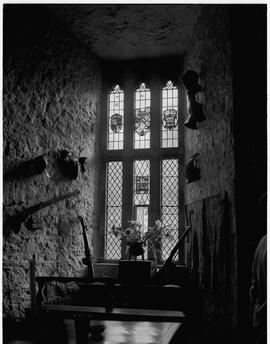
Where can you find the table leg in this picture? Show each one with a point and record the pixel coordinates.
(82, 329)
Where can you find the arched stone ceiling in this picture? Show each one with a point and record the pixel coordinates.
(129, 31)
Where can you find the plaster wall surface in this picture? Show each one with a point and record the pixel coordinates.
(51, 90)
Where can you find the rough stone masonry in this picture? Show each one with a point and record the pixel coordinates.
(51, 87)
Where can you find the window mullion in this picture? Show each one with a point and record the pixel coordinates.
(129, 108)
(127, 212)
(154, 213)
(155, 144)
(155, 116)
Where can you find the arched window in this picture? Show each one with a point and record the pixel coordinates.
(143, 161)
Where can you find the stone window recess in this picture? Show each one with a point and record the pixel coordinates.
(142, 158)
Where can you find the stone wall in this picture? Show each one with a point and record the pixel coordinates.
(210, 56)
(51, 90)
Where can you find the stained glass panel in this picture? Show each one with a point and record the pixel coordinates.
(142, 117)
(169, 116)
(113, 208)
(141, 182)
(115, 127)
(169, 204)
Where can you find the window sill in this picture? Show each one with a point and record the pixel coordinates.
(110, 268)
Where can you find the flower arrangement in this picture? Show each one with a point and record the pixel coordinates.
(133, 234)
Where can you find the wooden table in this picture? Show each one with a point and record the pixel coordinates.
(135, 332)
(132, 325)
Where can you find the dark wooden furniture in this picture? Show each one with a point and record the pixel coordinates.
(83, 314)
(111, 300)
(123, 314)
(132, 296)
(43, 280)
(134, 332)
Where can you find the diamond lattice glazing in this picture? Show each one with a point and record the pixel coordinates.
(170, 204)
(113, 208)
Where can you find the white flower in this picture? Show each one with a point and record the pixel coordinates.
(128, 231)
(158, 224)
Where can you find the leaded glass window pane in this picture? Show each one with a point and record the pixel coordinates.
(141, 182)
(115, 127)
(169, 116)
(169, 204)
(142, 217)
(113, 208)
(142, 117)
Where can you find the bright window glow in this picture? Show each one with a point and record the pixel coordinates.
(169, 116)
(113, 208)
(141, 182)
(115, 127)
(169, 204)
(142, 117)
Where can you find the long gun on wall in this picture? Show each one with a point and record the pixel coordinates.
(87, 260)
(14, 222)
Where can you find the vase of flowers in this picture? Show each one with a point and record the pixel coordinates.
(136, 240)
